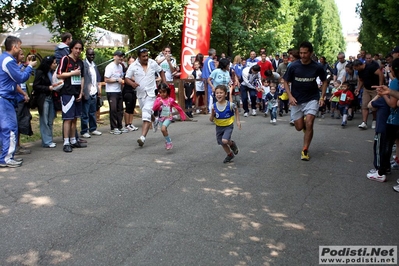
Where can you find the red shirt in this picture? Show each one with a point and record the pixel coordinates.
(265, 66)
(344, 95)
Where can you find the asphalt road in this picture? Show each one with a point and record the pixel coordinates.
(115, 203)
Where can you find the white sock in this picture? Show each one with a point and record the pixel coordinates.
(66, 141)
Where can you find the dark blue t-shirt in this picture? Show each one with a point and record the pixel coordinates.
(303, 80)
(382, 114)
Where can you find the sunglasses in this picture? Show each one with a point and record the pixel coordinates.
(142, 50)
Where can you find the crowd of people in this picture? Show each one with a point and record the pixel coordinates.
(298, 84)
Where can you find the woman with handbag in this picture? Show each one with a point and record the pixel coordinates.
(43, 89)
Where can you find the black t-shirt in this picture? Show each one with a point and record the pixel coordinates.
(303, 80)
(72, 85)
(188, 88)
(368, 77)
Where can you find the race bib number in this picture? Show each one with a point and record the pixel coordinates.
(165, 112)
(343, 97)
(76, 80)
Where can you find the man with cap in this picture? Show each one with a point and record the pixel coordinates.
(113, 78)
(141, 76)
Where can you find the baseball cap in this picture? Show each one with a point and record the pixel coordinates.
(395, 50)
(119, 53)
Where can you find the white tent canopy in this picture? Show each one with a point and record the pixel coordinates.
(38, 37)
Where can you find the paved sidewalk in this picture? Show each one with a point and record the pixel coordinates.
(115, 203)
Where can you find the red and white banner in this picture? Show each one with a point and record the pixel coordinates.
(196, 33)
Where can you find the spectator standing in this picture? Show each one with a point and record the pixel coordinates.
(252, 60)
(43, 89)
(130, 98)
(91, 90)
(339, 68)
(62, 49)
(10, 76)
(189, 90)
(113, 77)
(209, 66)
(370, 75)
(71, 70)
(199, 87)
(276, 62)
(264, 65)
(168, 65)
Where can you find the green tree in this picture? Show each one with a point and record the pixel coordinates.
(379, 31)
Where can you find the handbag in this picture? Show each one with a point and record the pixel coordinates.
(33, 100)
(58, 83)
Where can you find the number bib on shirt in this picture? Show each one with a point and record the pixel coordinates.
(76, 80)
(343, 97)
(165, 112)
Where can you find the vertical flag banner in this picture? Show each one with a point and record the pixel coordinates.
(196, 33)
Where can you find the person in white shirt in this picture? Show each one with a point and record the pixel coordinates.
(168, 64)
(113, 78)
(141, 76)
(91, 88)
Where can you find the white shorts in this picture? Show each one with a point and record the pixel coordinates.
(146, 105)
(309, 108)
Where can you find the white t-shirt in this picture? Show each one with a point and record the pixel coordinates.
(199, 84)
(146, 80)
(113, 71)
(165, 66)
(341, 70)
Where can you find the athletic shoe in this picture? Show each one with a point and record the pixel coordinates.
(253, 112)
(77, 145)
(96, 133)
(18, 160)
(350, 118)
(396, 188)
(245, 114)
(274, 121)
(141, 141)
(305, 155)
(271, 121)
(155, 125)
(67, 148)
(373, 124)
(11, 163)
(81, 140)
(362, 125)
(234, 148)
(394, 166)
(86, 135)
(132, 128)
(265, 114)
(168, 145)
(229, 158)
(115, 131)
(22, 151)
(51, 145)
(292, 122)
(124, 130)
(373, 175)
(198, 111)
(343, 124)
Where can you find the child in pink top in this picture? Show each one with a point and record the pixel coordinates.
(164, 105)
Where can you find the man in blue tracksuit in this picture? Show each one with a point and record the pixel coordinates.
(209, 66)
(10, 76)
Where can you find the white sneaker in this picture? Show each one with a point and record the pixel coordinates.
(115, 131)
(253, 112)
(245, 114)
(198, 111)
(96, 133)
(373, 124)
(86, 135)
(141, 141)
(124, 130)
(362, 125)
(274, 121)
(155, 125)
(132, 128)
(271, 121)
(373, 175)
